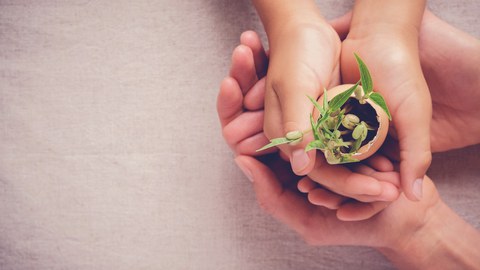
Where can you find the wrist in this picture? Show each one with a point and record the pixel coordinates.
(277, 15)
(442, 241)
(394, 17)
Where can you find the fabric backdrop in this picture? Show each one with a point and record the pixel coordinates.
(111, 156)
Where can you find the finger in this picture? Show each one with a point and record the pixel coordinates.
(325, 198)
(380, 163)
(273, 128)
(342, 181)
(255, 98)
(284, 205)
(356, 211)
(229, 101)
(306, 184)
(296, 109)
(392, 177)
(243, 67)
(245, 125)
(250, 145)
(414, 142)
(342, 25)
(389, 181)
(252, 40)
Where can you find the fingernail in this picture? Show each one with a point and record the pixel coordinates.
(299, 160)
(418, 188)
(244, 169)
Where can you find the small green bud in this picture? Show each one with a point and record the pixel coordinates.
(358, 93)
(350, 121)
(294, 135)
(359, 132)
(365, 131)
(337, 133)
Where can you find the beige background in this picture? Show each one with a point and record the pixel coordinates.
(111, 156)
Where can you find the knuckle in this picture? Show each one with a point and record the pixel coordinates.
(422, 159)
(229, 135)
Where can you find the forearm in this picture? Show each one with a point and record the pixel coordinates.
(276, 14)
(445, 242)
(400, 16)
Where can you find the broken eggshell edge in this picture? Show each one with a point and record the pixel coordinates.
(373, 145)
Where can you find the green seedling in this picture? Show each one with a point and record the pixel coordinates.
(341, 128)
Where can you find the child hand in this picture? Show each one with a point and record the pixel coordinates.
(390, 50)
(304, 59)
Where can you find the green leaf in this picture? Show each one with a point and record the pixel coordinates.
(356, 145)
(323, 119)
(378, 99)
(326, 130)
(340, 117)
(317, 144)
(317, 105)
(340, 99)
(275, 142)
(365, 77)
(325, 99)
(314, 128)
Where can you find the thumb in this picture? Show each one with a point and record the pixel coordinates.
(283, 204)
(296, 109)
(414, 143)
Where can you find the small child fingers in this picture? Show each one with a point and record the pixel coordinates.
(392, 177)
(356, 211)
(380, 163)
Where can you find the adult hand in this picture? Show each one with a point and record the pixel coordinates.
(407, 233)
(413, 235)
(449, 59)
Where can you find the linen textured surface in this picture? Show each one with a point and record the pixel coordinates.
(111, 155)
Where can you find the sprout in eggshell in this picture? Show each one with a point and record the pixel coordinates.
(349, 124)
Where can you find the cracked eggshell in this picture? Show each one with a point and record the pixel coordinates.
(373, 145)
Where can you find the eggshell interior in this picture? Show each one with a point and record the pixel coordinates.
(373, 145)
